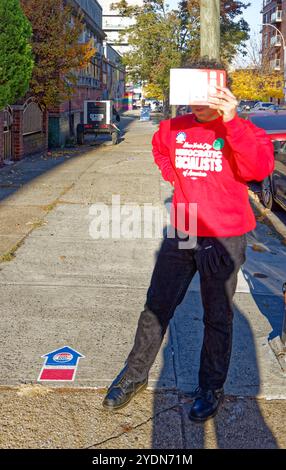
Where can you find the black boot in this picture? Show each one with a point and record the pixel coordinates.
(121, 391)
(206, 404)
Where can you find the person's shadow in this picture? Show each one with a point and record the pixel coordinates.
(239, 423)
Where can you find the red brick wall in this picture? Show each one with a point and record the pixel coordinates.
(81, 94)
(17, 129)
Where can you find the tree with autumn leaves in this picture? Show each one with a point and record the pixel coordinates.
(258, 81)
(57, 52)
(256, 84)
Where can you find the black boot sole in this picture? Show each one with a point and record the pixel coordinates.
(122, 405)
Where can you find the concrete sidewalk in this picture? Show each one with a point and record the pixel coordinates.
(63, 287)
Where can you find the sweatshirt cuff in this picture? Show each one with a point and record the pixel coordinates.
(234, 127)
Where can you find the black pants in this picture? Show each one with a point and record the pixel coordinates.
(171, 277)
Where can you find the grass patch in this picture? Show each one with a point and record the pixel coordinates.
(37, 224)
(50, 207)
(10, 255)
(7, 257)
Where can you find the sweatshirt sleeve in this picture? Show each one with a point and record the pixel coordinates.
(161, 153)
(252, 149)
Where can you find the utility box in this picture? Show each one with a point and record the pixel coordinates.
(98, 113)
(98, 119)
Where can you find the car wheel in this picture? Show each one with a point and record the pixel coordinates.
(267, 195)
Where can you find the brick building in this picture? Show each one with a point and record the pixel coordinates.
(25, 128)
(274, 21)
(64, 119)
(102, 79)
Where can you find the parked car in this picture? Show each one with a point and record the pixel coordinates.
(153, 104)
(276, 107)
(273, 188)
(137, 104)
(181, 110)
(246, 105)
(263, 106)
(159, 108)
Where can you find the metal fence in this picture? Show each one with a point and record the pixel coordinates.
(8, 144)
(32, 118)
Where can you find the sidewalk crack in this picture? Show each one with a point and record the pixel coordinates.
(174, 407)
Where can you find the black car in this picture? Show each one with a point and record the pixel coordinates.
(273, 188)
(245, 105)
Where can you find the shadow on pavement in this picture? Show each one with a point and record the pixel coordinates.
(265, 275)
(18, 175)
(239, 423)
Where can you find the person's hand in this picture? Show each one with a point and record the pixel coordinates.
(224, 102)
(209, 254)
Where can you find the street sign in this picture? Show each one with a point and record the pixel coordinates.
(60, 364)
(145, 113)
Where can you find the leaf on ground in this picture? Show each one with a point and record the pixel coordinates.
(260, 218)
(62, 258)
(126, 428)
(101, 391)
(177, 409)
(258, 248)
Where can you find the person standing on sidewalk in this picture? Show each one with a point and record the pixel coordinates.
(208, 156)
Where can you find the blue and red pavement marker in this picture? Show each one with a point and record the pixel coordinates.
(60, 365)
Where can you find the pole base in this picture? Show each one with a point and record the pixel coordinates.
(279, 350)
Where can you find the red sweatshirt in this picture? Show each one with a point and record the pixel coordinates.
(209, 164)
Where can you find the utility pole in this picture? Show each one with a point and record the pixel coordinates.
(210, 28)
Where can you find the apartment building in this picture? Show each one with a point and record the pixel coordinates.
(113, 25)
(63, 120)
(273, 25)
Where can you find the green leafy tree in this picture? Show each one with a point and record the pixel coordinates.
(233, 28)
(16, 59)
(161, 38)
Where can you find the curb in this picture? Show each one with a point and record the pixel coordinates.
(267, 216)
